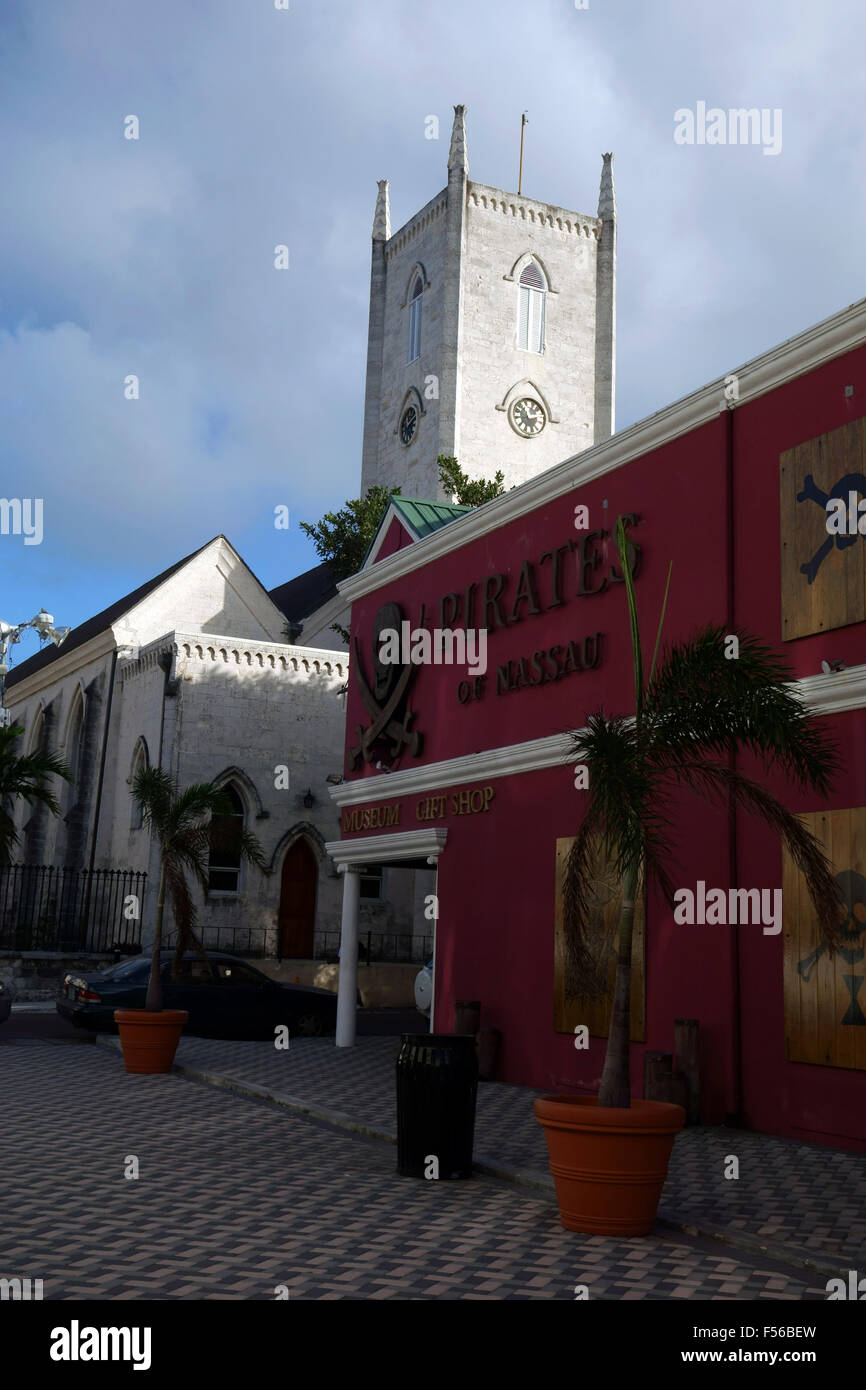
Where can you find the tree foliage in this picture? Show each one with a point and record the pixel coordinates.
(468, 492)
(24, 776)
(343, 538)
(181, 821)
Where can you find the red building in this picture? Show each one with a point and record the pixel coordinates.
(730, 484)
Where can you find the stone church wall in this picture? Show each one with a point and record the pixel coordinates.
(502, 228)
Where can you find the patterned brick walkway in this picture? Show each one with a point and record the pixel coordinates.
(805, 1199)
(237, 1196)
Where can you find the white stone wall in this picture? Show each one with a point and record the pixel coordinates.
(498, 229)
(501, 228)
(420, 243)
(24, 702)
(214, 592)
(238, 711)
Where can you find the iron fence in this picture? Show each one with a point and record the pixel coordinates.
(43, 908)
(375, 946)
(249, 942)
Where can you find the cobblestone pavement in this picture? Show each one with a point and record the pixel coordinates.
(237, 1196)
(803, 1196)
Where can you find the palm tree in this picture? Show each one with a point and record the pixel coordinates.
(692, 716)
(181, 822)
(25, 777)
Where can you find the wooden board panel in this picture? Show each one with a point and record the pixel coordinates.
(825, 997)
(569, 1008)
(832, 593)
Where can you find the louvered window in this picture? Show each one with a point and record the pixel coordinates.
(530, 315)
(415, 321)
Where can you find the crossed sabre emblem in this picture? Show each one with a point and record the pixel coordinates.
(384, 698)
(852, 482)
(852, 898)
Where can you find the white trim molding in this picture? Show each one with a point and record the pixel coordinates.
(532, 756)
(831, 338)
(834, 693)
(823, 695)
(405, 844)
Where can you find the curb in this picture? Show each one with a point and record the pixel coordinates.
(794, 1256)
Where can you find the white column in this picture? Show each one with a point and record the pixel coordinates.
(433, 860)
(347, 990)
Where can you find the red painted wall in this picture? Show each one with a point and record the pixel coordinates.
(396, 538)
(496, 876)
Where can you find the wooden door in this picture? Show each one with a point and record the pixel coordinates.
(824, 995)
(297, 918)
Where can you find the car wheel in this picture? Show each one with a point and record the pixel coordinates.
(309, 1026)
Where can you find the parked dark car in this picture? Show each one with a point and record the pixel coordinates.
(6, 997)
(224, 997)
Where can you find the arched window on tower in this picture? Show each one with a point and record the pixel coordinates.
(415, 321)
(531, 293)
(225, 845)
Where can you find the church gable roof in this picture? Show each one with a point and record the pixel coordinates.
(222, 595)
(301, 596)
(100, 622)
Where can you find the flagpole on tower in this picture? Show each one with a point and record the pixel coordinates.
(523, 122)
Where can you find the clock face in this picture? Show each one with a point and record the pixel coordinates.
(527, 417)
(409, 424)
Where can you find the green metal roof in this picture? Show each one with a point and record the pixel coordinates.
(426, 517)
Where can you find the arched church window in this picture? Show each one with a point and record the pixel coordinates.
(73, 754)
(531, 292)
(415, 321)
(139, 764)
(226, 831)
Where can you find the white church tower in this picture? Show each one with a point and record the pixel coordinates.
(492, 333)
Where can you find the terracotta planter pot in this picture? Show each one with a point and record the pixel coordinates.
(609, 1165)
(149, 1040)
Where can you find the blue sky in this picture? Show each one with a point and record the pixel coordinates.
(261, 126)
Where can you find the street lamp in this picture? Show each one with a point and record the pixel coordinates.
(10, 634)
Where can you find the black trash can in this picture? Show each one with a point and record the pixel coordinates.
(437, 1081)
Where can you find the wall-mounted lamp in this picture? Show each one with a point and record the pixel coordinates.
(309, 799)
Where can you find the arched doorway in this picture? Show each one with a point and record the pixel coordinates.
(298, 885)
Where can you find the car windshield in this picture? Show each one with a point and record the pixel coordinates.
(125, 968)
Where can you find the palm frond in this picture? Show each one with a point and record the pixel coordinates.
(717, 780)
(699, 700)
(661, 621)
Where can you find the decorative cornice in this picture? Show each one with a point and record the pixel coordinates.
(403, 844)
(831, 338)
(823, 695)
(482, 195)
(417, 224)
(207, 648)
